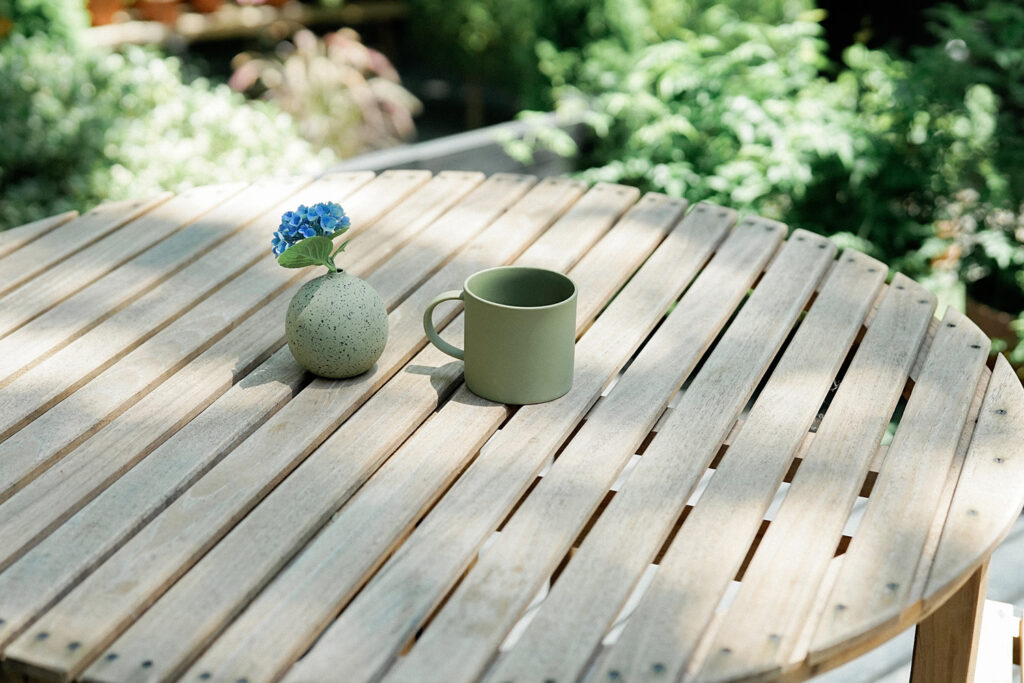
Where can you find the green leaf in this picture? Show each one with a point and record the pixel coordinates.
(312, 251)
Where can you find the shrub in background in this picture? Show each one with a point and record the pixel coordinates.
(82, 127)
(704, 102)
(63, 20)
(341, 94)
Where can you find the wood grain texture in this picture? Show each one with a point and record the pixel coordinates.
(50, 569)
(759, 633)
(197, 465)
(37, 390)
(416, 211)
(185, 619)
(599, 578)
(410, 480)
(874, 584)
(138, 346)
(402, 594)
(946, 643)
(60, 491)
(92, 304)
(990, 491)
(17, 237)
(51, 248)
(105, 602)
(467, 631)
(167, 216)
(707, 552)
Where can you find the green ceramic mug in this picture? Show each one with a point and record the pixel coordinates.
(520, 333)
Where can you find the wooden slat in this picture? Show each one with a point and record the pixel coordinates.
(874, 584)
(53, 566)
(159, 222)
(467, 631)
(205, 311)
(990, 491)
(946, 642)
(90, 305)
(253, 552)
(708, 550)
(60, 491)
(56, 563)
(417, 471)
(62, 373)
(403, 593)
(414, 213)
(761, 628)
(945, 499)
(47, 252)
(103, 604)
(437, 241)
(281, 524)
(597, 581)
(15, 238)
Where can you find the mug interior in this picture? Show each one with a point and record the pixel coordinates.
(521, 287)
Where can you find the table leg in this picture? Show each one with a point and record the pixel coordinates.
(946, 643)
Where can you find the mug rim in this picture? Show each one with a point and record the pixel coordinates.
(571, 297)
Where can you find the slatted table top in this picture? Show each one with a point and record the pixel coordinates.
(179, 500)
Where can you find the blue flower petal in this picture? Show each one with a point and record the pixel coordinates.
(324, 218)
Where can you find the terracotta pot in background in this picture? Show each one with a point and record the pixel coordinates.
(103, 11)
(164, 11)
(206, 6)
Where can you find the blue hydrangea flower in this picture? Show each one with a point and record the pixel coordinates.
(327, 219)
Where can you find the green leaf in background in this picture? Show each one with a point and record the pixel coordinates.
(312, 251)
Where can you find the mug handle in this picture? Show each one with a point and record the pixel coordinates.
(428, 324)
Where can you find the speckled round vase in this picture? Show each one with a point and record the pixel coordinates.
(337, 326)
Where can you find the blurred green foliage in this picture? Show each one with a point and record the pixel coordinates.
(82, 127)
(915, 160)
(499, 41)
(63, 20)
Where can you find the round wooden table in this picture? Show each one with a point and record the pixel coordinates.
(793, 465)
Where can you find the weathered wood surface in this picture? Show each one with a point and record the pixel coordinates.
(179, 500)
(15, 238)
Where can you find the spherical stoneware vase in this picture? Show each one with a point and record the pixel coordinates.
(337, 326)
